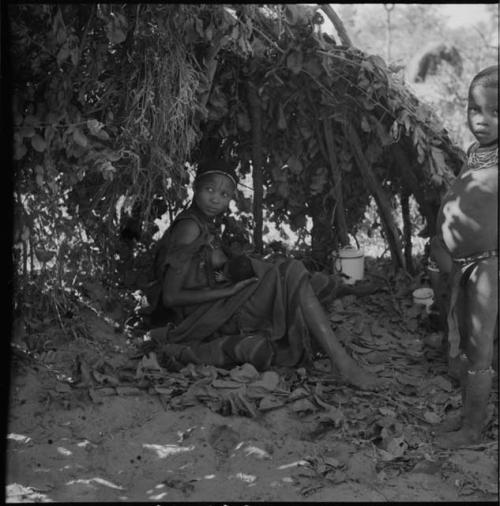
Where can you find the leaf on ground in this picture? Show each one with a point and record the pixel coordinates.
(406, 379)
(269, 402)
(332, 415)
(244, 373)
(332, 462)
(303, 406)
(396, 446)
(85, 378)
(128, 391)
(432, 417)
(387, 412)
(359, 349)
(163, 391)
(218, 383)
(337, 318)
(375, 368)
(268, 381)
(443, 383)
(107, 391)
(105, 378)
(95, 397)
(377, 330)
(298, 393)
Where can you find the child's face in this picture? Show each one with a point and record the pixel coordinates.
(482, 113)
(213, 194)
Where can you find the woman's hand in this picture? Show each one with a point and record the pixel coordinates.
(233, 289)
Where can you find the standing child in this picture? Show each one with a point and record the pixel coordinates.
(467, 245)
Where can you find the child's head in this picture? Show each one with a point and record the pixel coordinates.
(214, 187)
(482, 110)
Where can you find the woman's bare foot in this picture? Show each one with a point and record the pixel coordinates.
(458, 439)
(359, 378)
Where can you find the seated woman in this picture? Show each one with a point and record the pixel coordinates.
(266, 319)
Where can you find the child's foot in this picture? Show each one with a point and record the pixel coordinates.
(458, 439)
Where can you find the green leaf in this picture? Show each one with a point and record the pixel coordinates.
(19, 150)
(94, 126)
(116, 29)
(243, 121)
(38, 143)
(62, 54)
(378, 61)
(103, 135)
(281, 118)
(27, 131)
(282, 189)
(438, 159)
(295, 165)
(313, 67)
(294, 61)
(365, 126)
(80, 138)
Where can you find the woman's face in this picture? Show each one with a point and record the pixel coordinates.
(213, 193)
(482, 113)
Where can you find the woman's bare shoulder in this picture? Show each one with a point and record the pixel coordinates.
(185, 231)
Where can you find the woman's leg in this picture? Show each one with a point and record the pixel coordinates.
(319, 326)
(482, 304)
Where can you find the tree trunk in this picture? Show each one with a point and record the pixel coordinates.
(257, 159)
(405, 211)
(337, 181)
(411, 182)
(384, 207)
(323, 240)
(337, 23)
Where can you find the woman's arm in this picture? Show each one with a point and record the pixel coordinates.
(174, 294)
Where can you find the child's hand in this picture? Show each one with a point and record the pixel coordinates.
(220, 277)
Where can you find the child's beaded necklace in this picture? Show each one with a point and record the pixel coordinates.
(482, 159)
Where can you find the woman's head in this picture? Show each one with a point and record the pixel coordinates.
(482, 110)
(214, 187)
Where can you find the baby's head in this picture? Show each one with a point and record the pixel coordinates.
(239, 268)
(482, 110)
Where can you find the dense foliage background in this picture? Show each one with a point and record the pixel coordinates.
(113, 104)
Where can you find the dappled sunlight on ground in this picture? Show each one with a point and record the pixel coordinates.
(337, 444)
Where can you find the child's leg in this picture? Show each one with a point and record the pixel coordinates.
(319, 326)
(482, 304)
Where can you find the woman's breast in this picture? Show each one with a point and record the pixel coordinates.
(218, 258)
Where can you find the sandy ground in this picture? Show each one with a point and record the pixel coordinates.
(65, 444)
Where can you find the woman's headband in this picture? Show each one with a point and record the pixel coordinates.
(218, 166)
(215, 171)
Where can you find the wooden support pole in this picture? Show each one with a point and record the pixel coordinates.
(337, 181)
(257, 162)
(373, 185)
(407, 229)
